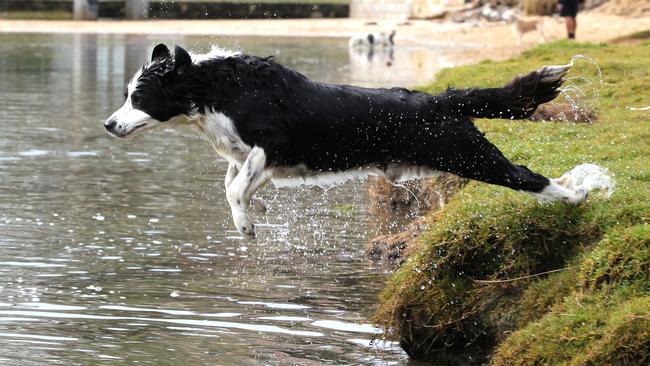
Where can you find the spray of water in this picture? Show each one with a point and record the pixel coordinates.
(639, 109)
(580, 94)
(395, 184)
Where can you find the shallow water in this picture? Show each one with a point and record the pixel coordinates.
(116, 252)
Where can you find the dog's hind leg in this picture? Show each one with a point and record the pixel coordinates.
(471, 155)
(518, 33)
(239, 192)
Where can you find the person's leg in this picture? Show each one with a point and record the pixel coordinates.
(571, 25)
(569, 11)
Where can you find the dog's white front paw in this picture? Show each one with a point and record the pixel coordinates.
(244, 224)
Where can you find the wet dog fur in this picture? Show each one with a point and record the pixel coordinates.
(272, 123)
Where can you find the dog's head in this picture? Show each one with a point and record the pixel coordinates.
(510, 16)
(157, 94)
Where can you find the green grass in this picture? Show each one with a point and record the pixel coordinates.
(464, 296)
(633, 38)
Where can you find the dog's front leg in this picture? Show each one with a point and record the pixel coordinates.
(231, 173)
(540, 28)
(239, 192)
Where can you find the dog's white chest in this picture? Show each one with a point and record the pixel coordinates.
(223, 135)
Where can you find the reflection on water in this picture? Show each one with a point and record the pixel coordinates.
(124, 251)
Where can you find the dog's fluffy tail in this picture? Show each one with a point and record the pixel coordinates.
(517, 100)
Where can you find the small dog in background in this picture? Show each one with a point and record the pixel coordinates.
(520, 25)
(372, 40)
(372, 47)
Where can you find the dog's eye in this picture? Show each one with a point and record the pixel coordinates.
(125, 95)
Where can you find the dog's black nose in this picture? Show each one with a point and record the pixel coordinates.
(110, 123)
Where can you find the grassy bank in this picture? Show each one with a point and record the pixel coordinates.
(499, 277)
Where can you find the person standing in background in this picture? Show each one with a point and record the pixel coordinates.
(569, 10)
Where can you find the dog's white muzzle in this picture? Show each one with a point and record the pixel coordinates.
(126, 121)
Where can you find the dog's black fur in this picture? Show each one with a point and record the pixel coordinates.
(271, 122)
(331, 128)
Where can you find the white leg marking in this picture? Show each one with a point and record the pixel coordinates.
(231, 173)
(575, 185)
(240, 191)
(518, 33)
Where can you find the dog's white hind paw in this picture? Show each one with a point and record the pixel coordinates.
(577, 184)
(590, 177)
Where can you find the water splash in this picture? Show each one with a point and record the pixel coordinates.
(591, 60)
(638, 109)
(415, 197)
(581, 94)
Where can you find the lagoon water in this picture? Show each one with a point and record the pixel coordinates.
(122, 252)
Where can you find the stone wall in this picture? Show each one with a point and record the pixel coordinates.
(380, 9)
(627, 7)
(402, 9)
(192, 10)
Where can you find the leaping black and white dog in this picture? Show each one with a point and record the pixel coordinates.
(272, 123)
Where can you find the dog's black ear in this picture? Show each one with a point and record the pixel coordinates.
(181, 57)
(160, 52)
